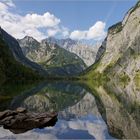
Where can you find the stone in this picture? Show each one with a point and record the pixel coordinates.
(20, 120)
(6, 113)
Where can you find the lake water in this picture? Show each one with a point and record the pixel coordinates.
(100, 112)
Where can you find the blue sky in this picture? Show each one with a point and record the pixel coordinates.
(79, 19)
(79, 14)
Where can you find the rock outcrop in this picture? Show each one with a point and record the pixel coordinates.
(19, 120)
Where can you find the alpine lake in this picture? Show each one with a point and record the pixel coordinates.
(84, 111)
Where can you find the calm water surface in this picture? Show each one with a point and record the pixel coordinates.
(83, 112)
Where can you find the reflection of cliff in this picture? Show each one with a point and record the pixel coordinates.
(122, 106)
(50, 101)
(50, 97)
(38, 103)
(86, 105)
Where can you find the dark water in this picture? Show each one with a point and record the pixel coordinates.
(84, 112)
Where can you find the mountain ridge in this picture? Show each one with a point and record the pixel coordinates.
(53, 58)
(85, 51)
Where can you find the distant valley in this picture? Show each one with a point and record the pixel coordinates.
(63, 57)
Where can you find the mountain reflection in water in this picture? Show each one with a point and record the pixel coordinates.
(84, 112)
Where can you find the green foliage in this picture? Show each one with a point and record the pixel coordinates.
(11, 90)
(115, 28)
(12, 70)
(62, 58)
(124, 78)
(108, 68)
(135, 7)
(137, 79)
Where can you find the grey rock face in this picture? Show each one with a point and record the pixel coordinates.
(101, 51)
(64, 43)
(32, 44)
(85, 52)
(122, 47)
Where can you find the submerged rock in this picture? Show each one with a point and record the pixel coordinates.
(20, 120)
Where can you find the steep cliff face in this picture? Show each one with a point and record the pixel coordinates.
(86, 52)
(54, 59)
(119, 54)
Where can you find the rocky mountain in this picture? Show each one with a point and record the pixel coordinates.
(64, 43)
(13, 65)
(119, 54)
(86, 52)
(53, 58)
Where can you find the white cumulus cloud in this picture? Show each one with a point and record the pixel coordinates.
(52, 32)
(43, 25)
(96, 32)
(30, 24)
(78, 34)
(45, 20)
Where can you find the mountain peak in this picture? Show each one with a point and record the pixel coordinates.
(29, 38)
